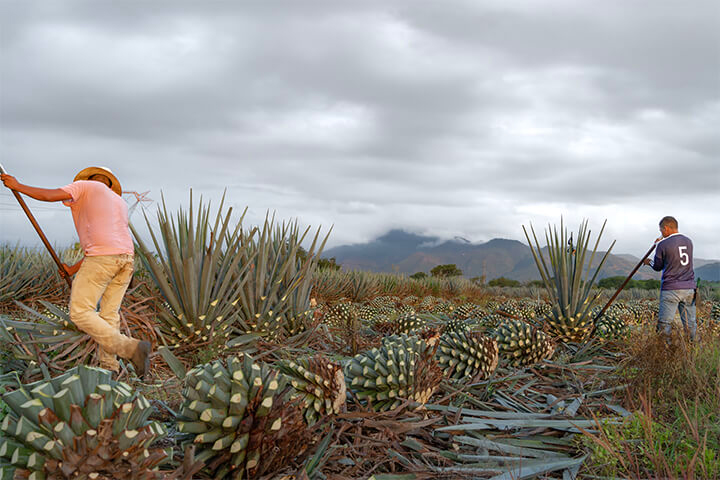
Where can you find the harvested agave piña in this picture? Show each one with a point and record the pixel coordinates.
(339, 315)
(522, 344)
(464, 311)
(80, 425)
(467, 355)
(242, 418)
(409, 322)
(402, 368)
(404, 323)
(610, 325)
(456, 325)
(420, 339)
(319, 382)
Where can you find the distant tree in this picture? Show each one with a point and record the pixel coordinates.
(418, 275)
(649, 284)
(613, 282)
(328, 264)
(448, 270)
(301, 254)
(477, 280)
(535, 283)
(503, 282)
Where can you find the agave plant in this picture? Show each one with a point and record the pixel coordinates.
(567, 278)
(330, 285)
(319, 382)
(242, 417)
(467, 355)
(401, 323)
(49, 339)
(363, 285)
(81, 425)
(277, 290)
(522, 344)
(25, 273)
(196, 279)
(403, 368)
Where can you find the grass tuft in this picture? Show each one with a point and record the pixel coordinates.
(674, 392)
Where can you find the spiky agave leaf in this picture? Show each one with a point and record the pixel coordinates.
(194, 275)
(330, 285)
(562, 275)
(403, 368)
(521, 343)
(25, 273)
(319, 382)
(278, 287)
(48, 338)
(362, 286)
(467, 355)
(242, 419)
(81, 425)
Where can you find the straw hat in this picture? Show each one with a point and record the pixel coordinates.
(86, 173)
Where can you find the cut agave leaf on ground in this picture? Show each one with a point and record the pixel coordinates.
(619, 410)
(534, 468)
(501, 447)
(395, 476)
(173, 362)
(489, 424)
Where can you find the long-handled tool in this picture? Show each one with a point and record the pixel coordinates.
(44, 239)
(612, 299)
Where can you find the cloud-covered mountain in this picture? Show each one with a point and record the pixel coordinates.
(403, 252)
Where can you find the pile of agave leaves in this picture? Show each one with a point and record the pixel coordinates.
(227, 307)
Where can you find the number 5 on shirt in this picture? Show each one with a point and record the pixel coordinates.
(684, 258)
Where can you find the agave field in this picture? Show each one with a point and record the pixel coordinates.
(271, 367)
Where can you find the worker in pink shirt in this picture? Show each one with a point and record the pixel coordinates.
(101, 220)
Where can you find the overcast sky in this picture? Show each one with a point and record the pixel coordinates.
(442, 118)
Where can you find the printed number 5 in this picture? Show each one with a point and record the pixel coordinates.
(684, 258)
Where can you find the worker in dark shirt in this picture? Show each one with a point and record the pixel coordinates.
(674, 257)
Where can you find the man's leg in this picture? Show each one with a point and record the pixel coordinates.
(687, 309)
(92, 279)
(110, 305)
(666, 314)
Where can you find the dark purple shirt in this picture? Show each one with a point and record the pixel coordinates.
(674, 256)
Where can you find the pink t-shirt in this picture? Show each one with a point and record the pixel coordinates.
(101, 218)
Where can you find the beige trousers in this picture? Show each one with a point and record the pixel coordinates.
(103, 278)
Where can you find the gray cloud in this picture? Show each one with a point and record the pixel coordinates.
(455, 118)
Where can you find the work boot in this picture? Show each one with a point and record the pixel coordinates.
(141, 358)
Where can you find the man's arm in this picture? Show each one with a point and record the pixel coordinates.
(658, 261)
(43, 194)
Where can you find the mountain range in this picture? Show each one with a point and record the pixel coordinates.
(404, 252)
